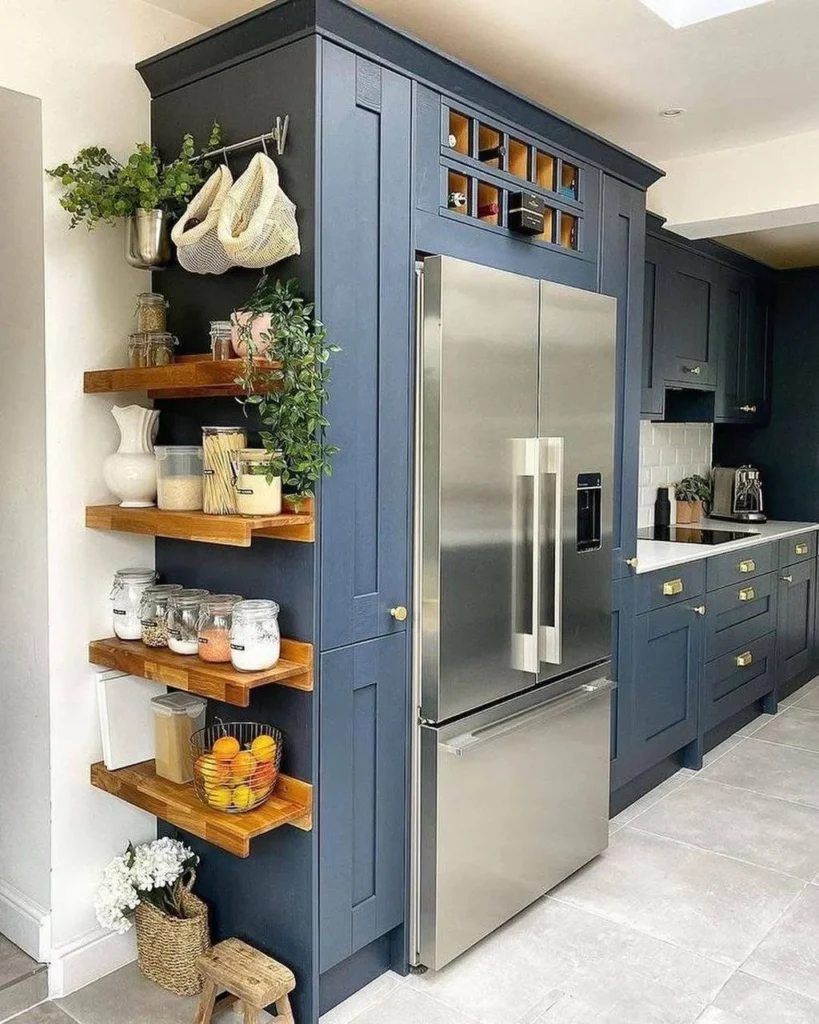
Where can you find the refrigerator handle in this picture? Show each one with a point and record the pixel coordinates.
(527, 516)
(549, 552)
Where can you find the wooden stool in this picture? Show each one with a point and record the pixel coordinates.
(254, 979)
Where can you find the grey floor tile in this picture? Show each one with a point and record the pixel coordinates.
(754, 1001)
(21, 994)
(789, 955)
(721, 749)
(712, 905)
(362, 1000)
(803, 691)
(761, 830)
(753, 726)
(45, 1013)
(795, 727)
(406, 1005)
(652, 797)
(809, 700)
(713, 1015)
(14, 963)
(771, 769)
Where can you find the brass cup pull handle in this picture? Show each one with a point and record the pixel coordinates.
(786, 579)
(747, 565)
(696, 370)
(747, 408)
(399, 613)
(747, 594)
(744, 660)
(800, 549)
(699, 609)
(672, 587)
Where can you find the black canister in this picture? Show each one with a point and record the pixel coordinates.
(662, 508)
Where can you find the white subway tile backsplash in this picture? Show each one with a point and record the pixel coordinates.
(669, 452)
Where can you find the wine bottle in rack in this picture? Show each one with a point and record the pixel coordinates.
(493, 153)
(456, 201)
(452, 140)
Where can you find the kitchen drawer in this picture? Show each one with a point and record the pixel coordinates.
(738, 566)
(670, 586)
(740, 613)
(797, 549)
(737, 679)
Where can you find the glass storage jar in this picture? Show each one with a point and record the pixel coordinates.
(221, 445)
(126, 595)
(254, 636)
(215, 618)
(151, 349)
(151, 313)
(178, 477)
(153, 613)
(220, 339)
(183, 620)
(255, 494)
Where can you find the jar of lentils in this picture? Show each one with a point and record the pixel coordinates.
(151, 313)
(153, 613)
(215, 619)
(254, 636)
(183, 620)
(126, 596)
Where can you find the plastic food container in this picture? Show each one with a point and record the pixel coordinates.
(183, 620)
(153, 613)
(215, 620)
(146, 349)
(254, 636)
(126, 597)
(236, 765)
(255, 495)
(179, 477)
(151, 313)
(177, 716)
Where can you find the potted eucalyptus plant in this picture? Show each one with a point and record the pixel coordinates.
(147, 193)
(692, 493)
(285, 378)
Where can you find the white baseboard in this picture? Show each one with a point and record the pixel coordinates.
(25, 923)
(89, 958)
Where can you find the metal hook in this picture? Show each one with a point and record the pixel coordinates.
(225, 157)
(264, 146)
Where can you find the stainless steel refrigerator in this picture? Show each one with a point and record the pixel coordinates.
(513, 523)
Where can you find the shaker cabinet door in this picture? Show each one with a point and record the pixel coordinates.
(688, 325)
(365, 292)
(795, 628)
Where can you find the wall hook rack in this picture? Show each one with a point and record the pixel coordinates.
(277, 135)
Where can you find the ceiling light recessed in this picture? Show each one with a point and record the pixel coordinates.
(681, 13)
(671, 112)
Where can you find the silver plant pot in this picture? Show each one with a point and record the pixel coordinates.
(148, 240)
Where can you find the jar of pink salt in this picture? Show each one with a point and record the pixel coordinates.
(215, 619)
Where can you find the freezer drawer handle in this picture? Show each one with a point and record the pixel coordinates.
(461, 745)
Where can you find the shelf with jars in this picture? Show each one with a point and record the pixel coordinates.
(197, 376)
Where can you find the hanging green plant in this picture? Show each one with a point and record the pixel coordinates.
(97, 187)
(290, 399)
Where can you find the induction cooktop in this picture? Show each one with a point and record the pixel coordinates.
(692, 534)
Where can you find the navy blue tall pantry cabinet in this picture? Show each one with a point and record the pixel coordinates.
(370, 165)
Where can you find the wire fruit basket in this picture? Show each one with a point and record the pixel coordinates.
(236, 765)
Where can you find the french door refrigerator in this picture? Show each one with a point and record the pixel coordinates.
(513, 523)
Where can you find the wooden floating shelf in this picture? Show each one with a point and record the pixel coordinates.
(196, 376)
(290, 804)
(188, 672)
(237, 531)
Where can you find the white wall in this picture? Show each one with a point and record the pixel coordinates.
(78, 59)
(669, 452)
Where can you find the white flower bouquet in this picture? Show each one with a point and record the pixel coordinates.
(157, 873)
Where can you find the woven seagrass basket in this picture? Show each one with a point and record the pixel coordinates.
(168, 947)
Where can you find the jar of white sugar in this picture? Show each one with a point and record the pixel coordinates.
(254, 635)
(126, 595)
(183, 620)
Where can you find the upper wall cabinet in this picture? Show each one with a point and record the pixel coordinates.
(365, 218)
(743, 384)
(688, 335)
(651, 376)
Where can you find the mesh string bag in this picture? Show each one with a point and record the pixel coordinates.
(257, 224)
(196, 234)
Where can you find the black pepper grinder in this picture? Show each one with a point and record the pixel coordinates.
(662, 508)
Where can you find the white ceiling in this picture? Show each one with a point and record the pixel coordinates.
(783, 248)
(612, 65)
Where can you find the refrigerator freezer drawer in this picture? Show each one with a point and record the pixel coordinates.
(513, 800)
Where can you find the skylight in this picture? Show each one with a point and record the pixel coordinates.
(681, 13)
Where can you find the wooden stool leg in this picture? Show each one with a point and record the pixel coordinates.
(206, 1003)
(283, 1011)
(251, 1014)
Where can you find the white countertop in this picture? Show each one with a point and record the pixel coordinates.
(658, 554)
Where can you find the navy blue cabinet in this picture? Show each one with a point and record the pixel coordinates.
(688, 325)
(795, 621)
(364, 295)
(651, 378)
(362, 795)
(622, 258)
(744, 376)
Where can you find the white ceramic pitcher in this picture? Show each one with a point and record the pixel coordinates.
(130, 473)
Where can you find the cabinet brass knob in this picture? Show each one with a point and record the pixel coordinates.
(399, 613)
(632, 563)
(800, 549)
(786, 579)
(672, 587)
(747, 594)
(744, 660)
(700, 609)
(696, 370)
(747, 408)
(748, 565)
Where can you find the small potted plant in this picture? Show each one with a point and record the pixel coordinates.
(144, 191)
(278, 324)
(152, 883)
(692, 493)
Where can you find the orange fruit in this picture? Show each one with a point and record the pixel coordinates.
(226, 748)
(211, 771)
(264, 747)
(243, 797)
(262, 778)
(242, 766)
(219, 797)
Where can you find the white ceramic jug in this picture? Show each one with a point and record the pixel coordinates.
(130, 472)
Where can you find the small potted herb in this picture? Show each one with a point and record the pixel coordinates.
(147, 193)
(692, 493)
